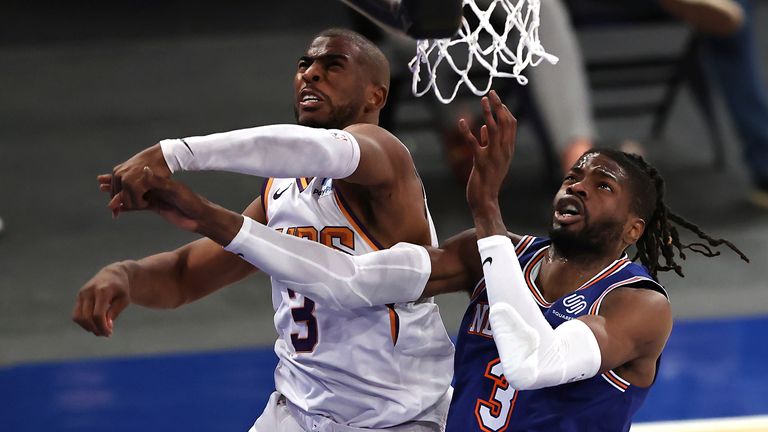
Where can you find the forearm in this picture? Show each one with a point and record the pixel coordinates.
(487, 218)
(282, 151)
(395, 275)
(153, 282)
(532, 353)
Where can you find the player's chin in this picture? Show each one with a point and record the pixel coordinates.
(311, 117)
(566, 230)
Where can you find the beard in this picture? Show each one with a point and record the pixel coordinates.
(339, 117)
(592, 240)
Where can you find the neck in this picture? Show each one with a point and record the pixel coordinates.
(562, 273)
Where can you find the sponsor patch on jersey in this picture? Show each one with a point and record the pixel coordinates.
(575, 303)
(325, 188)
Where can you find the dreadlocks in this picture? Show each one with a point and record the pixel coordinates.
(660, 238)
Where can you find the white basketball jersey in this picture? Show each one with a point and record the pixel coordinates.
(371, 367)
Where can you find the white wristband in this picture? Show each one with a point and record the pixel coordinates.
(282, 151)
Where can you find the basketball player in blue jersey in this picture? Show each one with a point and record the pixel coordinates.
(336, 179)
(562, 333)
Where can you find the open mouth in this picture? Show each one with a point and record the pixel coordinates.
(309, 99)
(569, 211)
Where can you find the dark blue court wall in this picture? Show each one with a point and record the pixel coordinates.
(710, 368)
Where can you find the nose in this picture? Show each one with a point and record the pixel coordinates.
(312, 73)
(577, 189)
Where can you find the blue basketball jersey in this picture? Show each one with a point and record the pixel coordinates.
(482, 399)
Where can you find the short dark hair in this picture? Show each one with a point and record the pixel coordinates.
(372, 55)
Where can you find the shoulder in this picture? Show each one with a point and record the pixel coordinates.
(374, 137)
(640, 307)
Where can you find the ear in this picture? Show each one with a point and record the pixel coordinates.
(633, 230)
(376, 97)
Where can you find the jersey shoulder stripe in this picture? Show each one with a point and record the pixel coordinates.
(353, 220)
(265, 194)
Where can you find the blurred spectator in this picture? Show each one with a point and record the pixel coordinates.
(729, 50)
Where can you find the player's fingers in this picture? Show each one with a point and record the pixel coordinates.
(468, 136)
(118, 305)
(76, 316)
(498, 106)
(488, 115)
(484, 135)
(99, 314)
(86, 314)
(104, 178)
(129, 196)
(115, 204)
(117, 184)
(105, 187)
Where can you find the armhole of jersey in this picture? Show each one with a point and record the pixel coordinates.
(479, 287)
(303, 182)
(394, 323)
(265, 195)
(358, 226)
(633, 282)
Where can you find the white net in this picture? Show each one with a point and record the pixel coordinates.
(496, 56)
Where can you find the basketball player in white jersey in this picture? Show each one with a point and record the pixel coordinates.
(339, 180)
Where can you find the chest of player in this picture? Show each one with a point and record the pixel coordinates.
(314, 209)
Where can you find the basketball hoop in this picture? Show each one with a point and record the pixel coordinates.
(432, 22)
(497, 57)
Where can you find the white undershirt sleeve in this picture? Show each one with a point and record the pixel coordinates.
(533, 354)
(282, 151)
(333, 278)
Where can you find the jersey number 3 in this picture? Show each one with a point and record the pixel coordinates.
(493, 414)
(304, 314)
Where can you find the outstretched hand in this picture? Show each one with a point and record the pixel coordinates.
(491, 158)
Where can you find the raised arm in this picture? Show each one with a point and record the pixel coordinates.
(533, 354)
(363, 153)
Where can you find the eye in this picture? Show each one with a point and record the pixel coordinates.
(605, 186)
(569, 178)
(303, 64)
(335, 66)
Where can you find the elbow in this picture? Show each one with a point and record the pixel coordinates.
(521, 378)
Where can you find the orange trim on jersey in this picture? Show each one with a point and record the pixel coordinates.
(524, 243)
(617, 381)
(478, 289)
(359, 228)
(595, 308)
(606, 273)
(394, 323)
(484, 312)
(492, 404)
(303, 182)
(531, 286)
(265, 195)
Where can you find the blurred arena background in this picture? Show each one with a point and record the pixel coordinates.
(84, 85)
